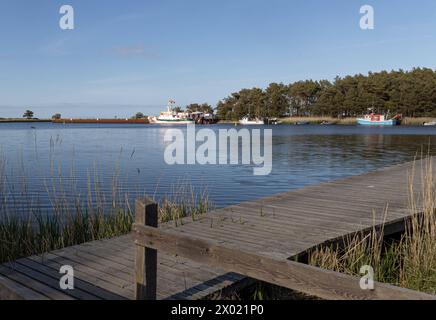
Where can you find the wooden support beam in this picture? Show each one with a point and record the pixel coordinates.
(289, 274)
(146, 214)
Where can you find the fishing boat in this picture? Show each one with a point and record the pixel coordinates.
(373, 119)
(249, 121)
(171, 116)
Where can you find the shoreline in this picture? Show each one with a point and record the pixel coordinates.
(407, 122)
(104, 121)
(133, 121)
(17, 120)
(419, 121)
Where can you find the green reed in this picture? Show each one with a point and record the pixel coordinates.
(76, 216)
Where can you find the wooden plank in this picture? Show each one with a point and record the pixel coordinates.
(100, 272)
(79, 284)
(96, 278)
(185, 278)
(170, 261)
(304, 278)
(50, 281)
(164, 272)
(277, 240)
(30, 282)
(112, 271)
(11, 290)
(146, 258)
(283, 230)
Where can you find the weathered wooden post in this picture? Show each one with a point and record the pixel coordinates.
(146, 258)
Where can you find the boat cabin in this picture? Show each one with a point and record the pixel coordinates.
(374, 117)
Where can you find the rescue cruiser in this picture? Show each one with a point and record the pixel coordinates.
(171, 116)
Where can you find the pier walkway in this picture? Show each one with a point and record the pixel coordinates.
(276, 227)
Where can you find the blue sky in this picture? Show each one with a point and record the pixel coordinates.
(133, 55)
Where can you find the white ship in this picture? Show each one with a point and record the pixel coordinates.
(171, 116)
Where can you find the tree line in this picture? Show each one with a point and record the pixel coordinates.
(195, 107)
(411, 93)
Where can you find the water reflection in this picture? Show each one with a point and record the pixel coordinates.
(36, 159)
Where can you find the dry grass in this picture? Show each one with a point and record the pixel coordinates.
(418, 246)
(409, 262)
(417, 121)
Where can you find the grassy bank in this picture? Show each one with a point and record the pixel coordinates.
(408, 262)
(12, 120)
(351, 121)
(417, 121)
(38, 232)
(318, 120)
(345, 121)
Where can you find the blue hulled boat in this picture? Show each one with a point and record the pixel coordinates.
(379, 120)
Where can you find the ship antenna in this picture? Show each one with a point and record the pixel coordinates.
(170, 105)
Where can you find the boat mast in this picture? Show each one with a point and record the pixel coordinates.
(171, 105)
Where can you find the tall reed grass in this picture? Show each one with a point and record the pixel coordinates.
(184, 201)
(72, 215)
(409, 262)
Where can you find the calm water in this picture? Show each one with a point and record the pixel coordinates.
(38, 162)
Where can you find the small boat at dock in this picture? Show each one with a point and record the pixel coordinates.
(204, 118)
(249, 121)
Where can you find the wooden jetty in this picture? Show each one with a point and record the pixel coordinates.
(226, 248)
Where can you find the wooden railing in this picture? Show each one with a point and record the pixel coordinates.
(146, 258)
(307, 279)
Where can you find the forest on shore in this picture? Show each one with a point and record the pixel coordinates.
(411, 93)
